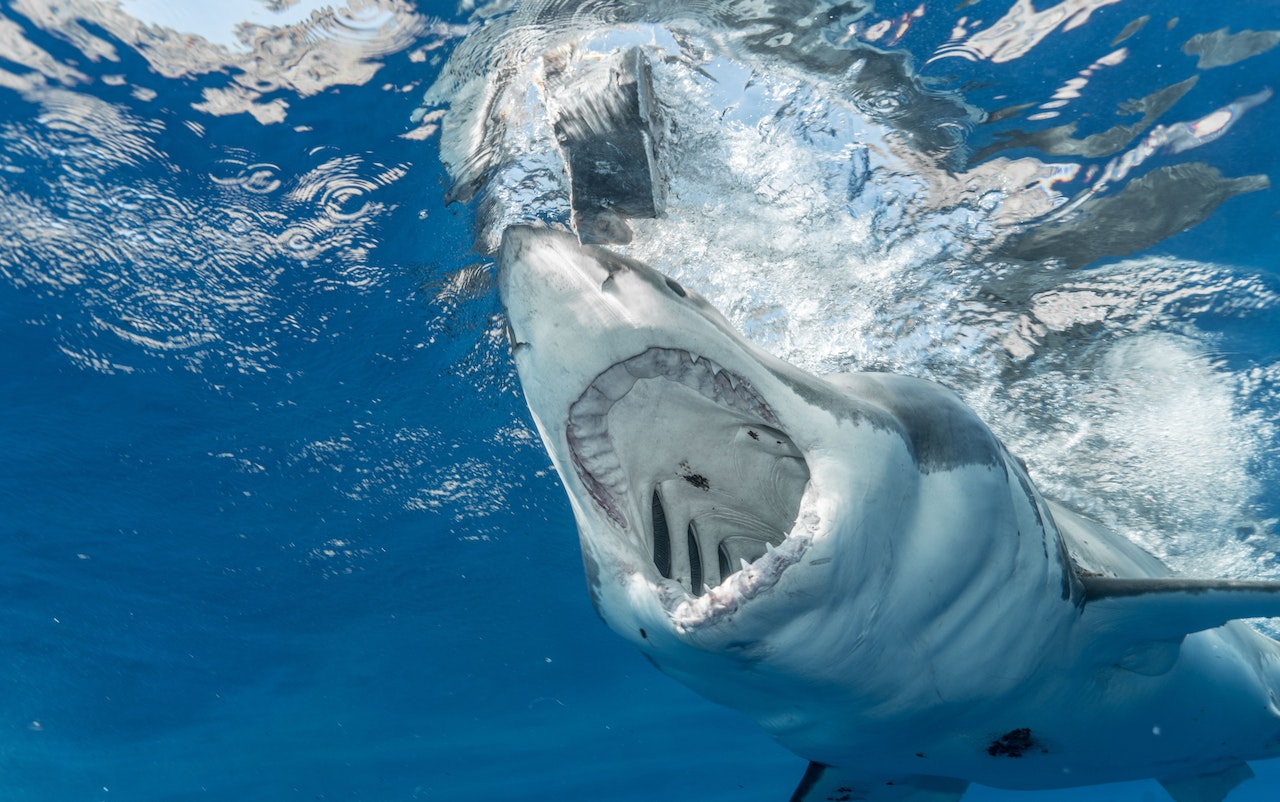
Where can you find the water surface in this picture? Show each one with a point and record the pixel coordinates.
(276, 522)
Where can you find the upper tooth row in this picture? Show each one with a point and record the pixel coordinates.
(696, 372)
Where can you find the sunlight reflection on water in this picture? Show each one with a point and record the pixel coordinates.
(187, 277)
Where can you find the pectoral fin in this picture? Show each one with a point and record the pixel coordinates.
(830, 784)
(1207, 787)
(1167, 608)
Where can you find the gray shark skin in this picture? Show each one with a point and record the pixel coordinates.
(858, 565)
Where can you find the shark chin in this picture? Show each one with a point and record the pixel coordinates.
(859, 565)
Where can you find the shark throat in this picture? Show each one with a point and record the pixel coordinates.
(689, 461)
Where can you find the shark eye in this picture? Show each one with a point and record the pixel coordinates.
(676, 288)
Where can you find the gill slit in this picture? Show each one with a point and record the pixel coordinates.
(661, 537)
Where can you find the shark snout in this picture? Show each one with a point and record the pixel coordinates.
(557, 294)
(536, 261)
(527, 270)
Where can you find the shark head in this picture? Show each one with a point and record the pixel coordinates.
(685, 480)
(733, 509)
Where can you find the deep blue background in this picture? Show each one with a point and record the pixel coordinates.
(170, 626)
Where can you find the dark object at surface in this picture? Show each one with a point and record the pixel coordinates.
(604, 121)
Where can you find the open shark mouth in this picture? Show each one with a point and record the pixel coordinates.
(594, 457)
(713, 504)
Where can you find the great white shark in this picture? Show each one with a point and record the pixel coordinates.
(859, 565)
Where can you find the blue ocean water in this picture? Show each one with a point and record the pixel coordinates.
(275, 523)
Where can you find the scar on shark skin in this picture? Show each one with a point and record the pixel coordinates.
(1013, 743)
(696, 479)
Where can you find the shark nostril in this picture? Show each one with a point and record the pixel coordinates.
(512, 340)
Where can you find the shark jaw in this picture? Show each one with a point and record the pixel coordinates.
(687, 487)
(716, 532)
(595, 461)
